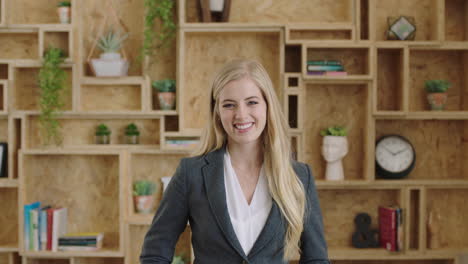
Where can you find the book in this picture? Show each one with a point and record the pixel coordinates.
(327, 73)
(83, 235)
(387, 228)
(34, 229)
(26, 215)
(82, 239)
(323, 62)
(50, 220)
(399, 228)
(59, 226)
(325, 68)
(43, 228)
(77, 248)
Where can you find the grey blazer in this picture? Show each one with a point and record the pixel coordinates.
(196, 193)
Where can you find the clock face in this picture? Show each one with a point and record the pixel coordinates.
(394, 154)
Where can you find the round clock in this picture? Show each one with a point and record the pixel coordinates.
(394, 157)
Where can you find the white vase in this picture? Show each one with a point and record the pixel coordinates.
(334, 148)
(64, 14)
(110, 64)
(216, 5)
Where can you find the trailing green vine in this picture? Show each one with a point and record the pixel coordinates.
(161, 10)
(51, 83)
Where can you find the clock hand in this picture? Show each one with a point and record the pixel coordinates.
(398, 152)
(389, 150)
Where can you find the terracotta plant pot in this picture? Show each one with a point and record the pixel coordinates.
(166, 100)
(437, 101)
(144, 204)
(64, 14)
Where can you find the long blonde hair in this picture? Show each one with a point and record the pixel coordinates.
(285, 187)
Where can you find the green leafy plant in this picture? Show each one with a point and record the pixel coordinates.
(132, 130)
(102, 130)
(64, 4)
(437, 86)
(111, 41)
(334, 131)
(52, 89)
(178, 259)
(154, 39)
(162, 86)
(143, 187)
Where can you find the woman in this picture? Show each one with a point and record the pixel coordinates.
(246, 200)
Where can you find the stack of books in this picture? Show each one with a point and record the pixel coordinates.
(325, 68)
(80, 241)
(391, 228)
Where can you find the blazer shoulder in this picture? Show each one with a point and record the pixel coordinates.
(302, 170)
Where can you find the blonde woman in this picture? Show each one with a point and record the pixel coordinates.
(246, 200)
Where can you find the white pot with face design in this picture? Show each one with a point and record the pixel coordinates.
(334, 148)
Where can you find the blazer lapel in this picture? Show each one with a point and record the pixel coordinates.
(213, 174)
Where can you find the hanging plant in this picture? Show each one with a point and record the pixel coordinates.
(161, 10)
(52, 86)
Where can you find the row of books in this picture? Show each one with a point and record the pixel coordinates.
(81, 241)
(325, 68)
(391, 228)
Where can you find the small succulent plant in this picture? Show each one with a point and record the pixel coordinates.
(143, 187)
(437, 86)
(162, 86)
(111, 41)
(102, 129)
(64, 4)
(132, 130)
(334, 131)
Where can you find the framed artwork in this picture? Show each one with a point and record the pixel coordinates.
(401, 28)
(3, 159)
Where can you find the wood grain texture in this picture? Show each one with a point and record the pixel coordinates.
(280, 12)
(98, 260)
(449, 213)
(26, 93)
(3, 130)
(81, 132)
(214, 50)
(33, 12)
(456, 20)
(19, 46)
(329, 105)
(440, 146)
(339, 207)
(426, 65)
(9, 216)
(57, 40)
(4, 258)
(47, 261)
(85, 184)
(320, 34)
(354, 60)
(422, 11)
(111, 97)
(390, 79)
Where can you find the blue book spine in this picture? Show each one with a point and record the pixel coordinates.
(27, 222)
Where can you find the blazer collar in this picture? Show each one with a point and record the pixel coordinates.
(213, 174)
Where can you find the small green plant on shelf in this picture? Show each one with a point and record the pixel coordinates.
(102, 134)
(110, 62)
(334, 131)
(112, 41)
(52, 90)
(144, 188)
(132, 134)
(63, 10)
(165, 91)
(143, 196)
(437, 93)
(64, 4)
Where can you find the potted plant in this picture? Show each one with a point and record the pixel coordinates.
(334, 148)
(102, 134)
(143, 196)
(110, 62)
(178, 260)
(165, 90)
(64, 11)
(437, 93)
(132, 134)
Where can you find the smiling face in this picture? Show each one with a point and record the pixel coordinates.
(243, 111)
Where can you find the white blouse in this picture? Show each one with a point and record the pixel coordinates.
(247, 220)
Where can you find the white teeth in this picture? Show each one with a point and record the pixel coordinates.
(244, 126)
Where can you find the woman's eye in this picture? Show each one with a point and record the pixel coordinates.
(252, 102)
(228, 105)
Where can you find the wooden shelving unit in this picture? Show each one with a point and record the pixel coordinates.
(382, 93)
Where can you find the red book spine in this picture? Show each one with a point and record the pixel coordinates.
(50, 213)
(387, 228)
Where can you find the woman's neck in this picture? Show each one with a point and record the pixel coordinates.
(246, 156)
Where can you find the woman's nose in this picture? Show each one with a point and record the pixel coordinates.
(241, 111)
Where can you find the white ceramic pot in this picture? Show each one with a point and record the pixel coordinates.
(110, 65)
(334, 148)
(216, 5)
(64, 14)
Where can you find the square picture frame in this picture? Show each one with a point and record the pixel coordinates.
(401, 28)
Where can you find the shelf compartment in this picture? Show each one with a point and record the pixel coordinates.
(346, 105)
(137, 234)
(80, 132)
(355, 60)
(151, 167)
(195, 77)
(363, 27)
(4, 70)
(57, 39)
(390, 79)
(277, 12)
(340, 207)
(26, 91)
(33, 12)
(111, 97)
(320, 32)
(9, 218)
(446, 219)
(441, 146)
(19, 45)
(425, 13)
(3, 95)
(425, 65)
(292, 58)
(76, 182)
(97, 260)
(456, 23)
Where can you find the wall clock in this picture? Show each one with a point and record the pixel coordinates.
(394, 157)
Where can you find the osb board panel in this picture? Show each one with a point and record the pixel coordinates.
(455, 20)
(214, 50)
(401, 261)
(339, 207)
(9, 216)
(76, 182)
(330, 105)
(292, 59)
(82, 131)
(439, 146)
(389, 79)
(19, 46)
(422, 11)
(320, 35)
(32, 12)
(137, 235)
(48, 261)
(3, 130)
(354, 60)
(425, 65)
(98, 260)
(447, 214)
(3, 70)
(364, 27)
(280, 12)
(110, 97)
(27, 91)
(57, 40)
(4, 258)
(93, 15)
